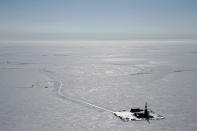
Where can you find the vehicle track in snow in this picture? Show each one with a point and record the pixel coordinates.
(76, 100)
(64, 97)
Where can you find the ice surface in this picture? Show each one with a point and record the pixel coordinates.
(87, 83)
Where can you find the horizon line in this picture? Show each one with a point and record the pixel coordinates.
(96, 41)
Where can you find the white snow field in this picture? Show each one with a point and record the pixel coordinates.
(77, 87)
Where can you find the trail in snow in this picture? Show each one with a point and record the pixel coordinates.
(79, 100)
(51, 74)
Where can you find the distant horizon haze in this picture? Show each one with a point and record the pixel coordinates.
(60, 20)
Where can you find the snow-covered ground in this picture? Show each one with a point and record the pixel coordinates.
(78, 87)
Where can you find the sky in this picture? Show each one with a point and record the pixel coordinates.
(98, 19)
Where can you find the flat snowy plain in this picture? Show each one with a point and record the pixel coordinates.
(76, 87)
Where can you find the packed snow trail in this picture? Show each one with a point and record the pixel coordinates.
(78, 100)
(51, 75)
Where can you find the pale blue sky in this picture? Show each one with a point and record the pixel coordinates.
(98, 19)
